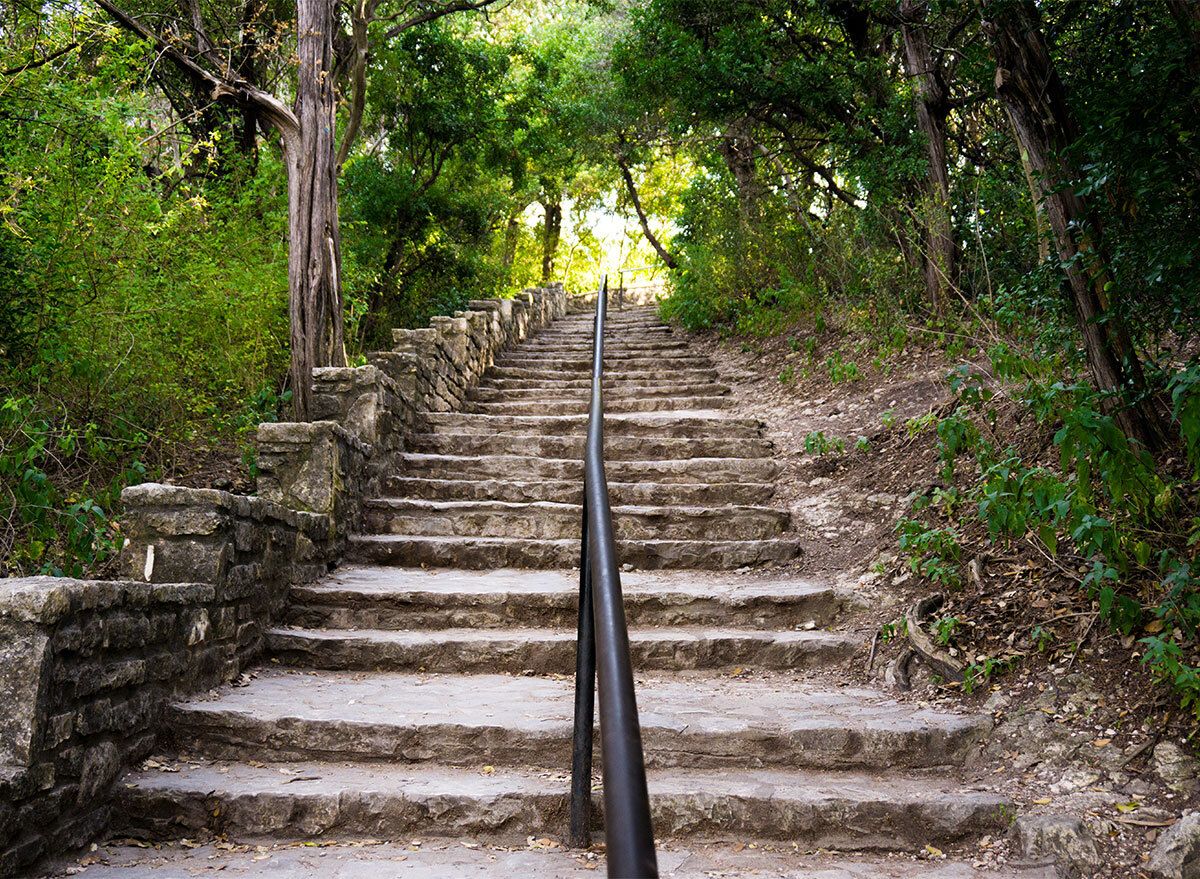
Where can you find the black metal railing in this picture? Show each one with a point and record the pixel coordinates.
(603, 647)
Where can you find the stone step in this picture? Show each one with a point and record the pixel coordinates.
(552, 521)
(545, 651)
(616, 448)
(486, 394)
(612, 365)
(541, 373)
(571, 491)
(572, 407)
(826, 810)
(635, 424)
(585, 383)
(571, 344)
(529, 468)
(485, 553)
(411, 599)
(439, 857)
(689, 719)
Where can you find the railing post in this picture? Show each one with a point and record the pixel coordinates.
(579, 834)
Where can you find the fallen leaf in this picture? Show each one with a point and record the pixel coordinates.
(1127, 807)
(1042, 801)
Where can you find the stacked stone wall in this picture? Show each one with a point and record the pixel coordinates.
(86, 667)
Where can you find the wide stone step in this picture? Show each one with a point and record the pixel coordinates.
(571, 491)
(616, 448)
(486, 394)
(545, 651)
(613, 365)
(552, 521)
(650, 424)
(485, 553)
(615, 346)
(544, 372)
(529, 468)
(827, 810)
(585, 383)
(411, 599)
(687, 719)
(572, 407)
(492, 859)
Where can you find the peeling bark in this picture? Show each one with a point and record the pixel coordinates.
(940, 263)
(1035, 98)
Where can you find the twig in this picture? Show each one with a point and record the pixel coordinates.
(1149, 743)
(871, 655)
(1079, 644)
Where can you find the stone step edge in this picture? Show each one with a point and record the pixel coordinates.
(846, 811)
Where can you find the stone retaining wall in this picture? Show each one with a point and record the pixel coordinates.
(86, 666)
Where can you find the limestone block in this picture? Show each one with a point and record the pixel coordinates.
(24, 673)
(1176, 855)
(1063, 839)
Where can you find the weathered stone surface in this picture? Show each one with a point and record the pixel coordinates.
(547, 651)
(462, 719)
(381, 598)
(847, 811)
(1063, 839)
(1176, 766)
(1176, 854)
(438, 858)
(24, 664)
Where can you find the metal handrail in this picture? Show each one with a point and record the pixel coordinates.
(602, 633)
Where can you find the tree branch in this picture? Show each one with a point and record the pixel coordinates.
(30, 65)
(227, 87)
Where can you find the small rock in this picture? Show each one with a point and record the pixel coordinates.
(627, 567)
(1074, 779)
(745, 570)
(1176, 855)
(1065, 839)
(1174, 765)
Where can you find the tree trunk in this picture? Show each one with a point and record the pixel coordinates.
(663, 253)
(512, 235)
(1035, 98)
(314, 253)
(737, 149)
(551, 232)
(940, 263)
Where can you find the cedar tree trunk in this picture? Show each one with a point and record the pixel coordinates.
(1035, 99)
(551, 232)
(940, 264)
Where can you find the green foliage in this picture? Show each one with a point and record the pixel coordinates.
(816, 443)
(934, 553)
(841, 370)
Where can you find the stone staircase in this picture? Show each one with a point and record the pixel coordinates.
(434, 697)
(499, 484)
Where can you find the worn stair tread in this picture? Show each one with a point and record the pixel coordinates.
(571, 491)
(542, 650)
(687, 718)
(531, 552)
(553, 520)
(377, 597)
(651, 422)
(844, 810)
(517, 467)
(440, 857)
(616, 447)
